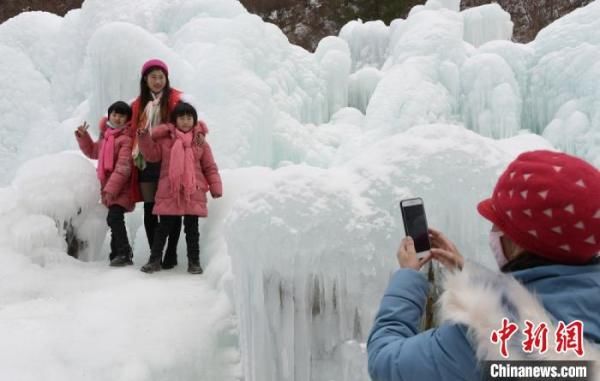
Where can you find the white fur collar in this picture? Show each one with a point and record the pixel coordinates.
(479, 299)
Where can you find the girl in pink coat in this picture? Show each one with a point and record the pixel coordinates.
(113, 152)
(187, 172)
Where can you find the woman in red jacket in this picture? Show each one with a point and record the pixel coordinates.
(113, 152)
(153, 107)
(187, 172)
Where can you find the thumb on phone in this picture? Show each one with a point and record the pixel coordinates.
(407, 255)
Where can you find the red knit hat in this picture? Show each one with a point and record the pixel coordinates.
(549, 204)
(154, 63)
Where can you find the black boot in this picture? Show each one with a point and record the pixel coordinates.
(194, 268)
(151, 267)
(124, 257)
(121, 253)
(113, 250)
(192, 239)
(150, 223)
(153, 264)
(170, 259)
(160, 238)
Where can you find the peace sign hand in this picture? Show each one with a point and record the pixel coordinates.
(82, 129)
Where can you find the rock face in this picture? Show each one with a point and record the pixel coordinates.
(306, 22)
(10, 8)
(530, 16)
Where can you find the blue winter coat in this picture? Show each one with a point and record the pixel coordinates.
(397, 351)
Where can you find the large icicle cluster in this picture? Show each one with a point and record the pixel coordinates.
(316, 149)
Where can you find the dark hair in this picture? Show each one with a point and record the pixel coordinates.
(120, 107)
(183, 108)
(529, 260)
(146, 94)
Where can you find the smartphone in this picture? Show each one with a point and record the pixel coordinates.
(415, 224)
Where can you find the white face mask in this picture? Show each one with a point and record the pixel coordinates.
(496, 246)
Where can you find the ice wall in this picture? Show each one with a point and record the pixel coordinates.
(49, 197)
(83, 320)
(319, 148)
(436, 71)
(241, 73)
(485, 23)
(262, 81)
(368, 43)
(26, 92)
(564, 99)
(306, 302)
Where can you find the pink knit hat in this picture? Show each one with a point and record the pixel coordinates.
(549, 204)
(154, 63)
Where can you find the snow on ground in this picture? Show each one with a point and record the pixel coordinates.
(316, 151)
(78, 321)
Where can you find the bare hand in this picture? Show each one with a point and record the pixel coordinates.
(82, 129)
(142, 131)
(407, 255)
(108, 198)
(199, 139)
(444, 251)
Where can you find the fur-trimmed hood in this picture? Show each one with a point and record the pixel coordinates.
(479, 299)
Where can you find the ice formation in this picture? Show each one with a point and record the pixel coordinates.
(316, 151)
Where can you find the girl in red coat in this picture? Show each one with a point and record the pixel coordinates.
(187, 172)
(113, 152)
(153, 107)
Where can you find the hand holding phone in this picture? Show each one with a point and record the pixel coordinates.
(445, 251)
(415, 224)
(407, 257)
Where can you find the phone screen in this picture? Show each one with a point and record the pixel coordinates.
(415, 225)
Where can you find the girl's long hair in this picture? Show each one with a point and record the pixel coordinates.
(146, 95)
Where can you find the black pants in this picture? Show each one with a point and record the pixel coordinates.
(151, 224)
(151, 174)
(192, 236)
(119, 243)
